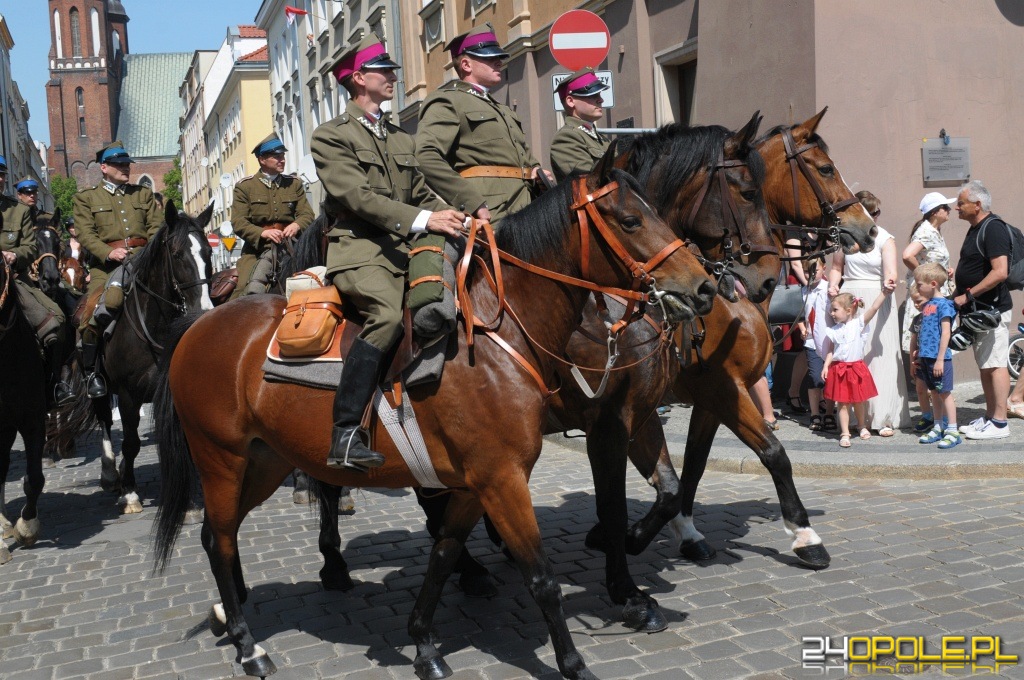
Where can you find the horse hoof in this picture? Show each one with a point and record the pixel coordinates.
(644, 616)
(595, 538)
(259, 666)
(333, 579)
(193, 517)
(432, 669)
(26, 533)
(49, 463)
(697, 551)
(346, 504)
(217, 626)
(6, 527)
(300, 497)
(130, 504)
(110, 485)
(478, 584)
(814, 556)
(5, 554)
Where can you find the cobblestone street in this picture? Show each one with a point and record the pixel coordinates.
(915, 558)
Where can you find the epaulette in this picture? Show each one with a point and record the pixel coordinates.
(245, 178)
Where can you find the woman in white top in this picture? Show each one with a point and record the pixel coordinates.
(864, 275)
(927, 245)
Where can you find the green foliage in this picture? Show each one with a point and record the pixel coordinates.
(172, 184)
(64, 190)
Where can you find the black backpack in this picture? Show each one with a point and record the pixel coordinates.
(1015, 263)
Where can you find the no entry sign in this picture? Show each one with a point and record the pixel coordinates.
(579, 38)
(213, 240)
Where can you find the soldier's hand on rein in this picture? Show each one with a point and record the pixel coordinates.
(537, 170)
(273, 235)
(10, 257)
(447, 222)
(291, 230)
(118, 254)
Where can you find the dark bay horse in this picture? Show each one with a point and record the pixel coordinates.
(22, 410)
(169, 279)
(244, 450)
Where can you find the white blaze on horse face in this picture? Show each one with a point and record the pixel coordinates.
(205, 303)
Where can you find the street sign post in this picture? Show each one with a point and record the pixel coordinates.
(579, 38)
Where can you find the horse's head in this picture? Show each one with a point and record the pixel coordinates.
(179, 260)
(638, 246)
(803, 186)
(706, 183)
(50, 247)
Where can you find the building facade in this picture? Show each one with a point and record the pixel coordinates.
(195, 179)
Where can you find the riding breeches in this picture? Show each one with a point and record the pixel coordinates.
(377, 293)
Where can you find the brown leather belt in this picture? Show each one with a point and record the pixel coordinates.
(128, 243)
(503, 171)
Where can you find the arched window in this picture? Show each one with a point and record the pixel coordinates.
(94, 23)
(146, 181)
(79, 97)
(115, 38)
(81, 126)
(76, 34)
(57, 34)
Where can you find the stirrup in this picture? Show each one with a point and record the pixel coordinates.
(68, 394)
(374, 460)
(96, 386)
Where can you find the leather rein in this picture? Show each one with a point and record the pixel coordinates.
(33, 270)
(643, 289)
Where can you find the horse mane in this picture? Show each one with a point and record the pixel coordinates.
(812, 138)
(307, 248)
(672, 154)
(168, 236)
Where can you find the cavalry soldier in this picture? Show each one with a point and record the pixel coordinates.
(269, 209)
(472, 149)
(18, 243)
(114, 219)
(377, 199)
(578, 145)
(28, 194)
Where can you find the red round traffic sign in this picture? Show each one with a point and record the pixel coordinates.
(213, 239)
(579, 38)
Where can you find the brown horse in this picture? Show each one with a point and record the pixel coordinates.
(246, 447)
(736, 348)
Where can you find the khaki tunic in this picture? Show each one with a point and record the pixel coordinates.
(256, 206)
(18, 234)
(101, 217)
(461, 128)
(374, 192)
(576, 149)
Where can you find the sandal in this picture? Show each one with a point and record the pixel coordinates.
(1014, 410)
(844, 441)
(886, 432)
(773, 425)
(865, 433)
(816, 424)
(795, 405)
(829, 424)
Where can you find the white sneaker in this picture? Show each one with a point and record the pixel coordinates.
(989, 431)
(975, 424)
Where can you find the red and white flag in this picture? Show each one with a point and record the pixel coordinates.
(291, 12)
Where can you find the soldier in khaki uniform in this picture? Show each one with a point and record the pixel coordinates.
(472, 149)
(578, 145)
(377, 199)
(18, 235)
(115, 220)
(28, 195)
(269, 208)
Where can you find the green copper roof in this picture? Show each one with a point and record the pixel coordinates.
(150, 105)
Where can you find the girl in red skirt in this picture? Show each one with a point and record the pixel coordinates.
(846, 376)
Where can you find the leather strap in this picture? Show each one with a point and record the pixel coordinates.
(503, 171)
(429, 279)
(332, 307)
(128, 243)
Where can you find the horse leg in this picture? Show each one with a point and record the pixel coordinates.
(649, 454)
(699, 437)
(26, 529)
(607, 442)
(334, 574)
(7, 437)
(747, 423)
(300, 492)
(474, 579)
(109, 481)
(130, 447)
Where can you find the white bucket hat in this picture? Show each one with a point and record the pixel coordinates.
(933, 200)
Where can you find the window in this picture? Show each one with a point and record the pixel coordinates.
(81, 126)
(76, 35)
(433, 23)
(94, 22)
(57, 34)
(79, 97)
(146, 181)
(115, 39)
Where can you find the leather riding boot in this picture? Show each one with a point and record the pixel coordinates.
(96, 386)
(358, 382)
(59, 392)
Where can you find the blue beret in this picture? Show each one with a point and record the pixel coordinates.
(3, 163)
(115, 154)
(269, 146)
(27, 183)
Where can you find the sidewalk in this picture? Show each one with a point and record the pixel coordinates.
(817, 454)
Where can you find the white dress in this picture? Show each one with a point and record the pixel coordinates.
(862, 277)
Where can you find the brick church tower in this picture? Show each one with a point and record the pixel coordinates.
(88, 44)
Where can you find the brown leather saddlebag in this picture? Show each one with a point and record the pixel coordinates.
(310, 321)
(223, 285)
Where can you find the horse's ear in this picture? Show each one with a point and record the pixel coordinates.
(605, 165)
(56, 217)
(170, 213)
(740, 142)
(810, 125)
(204, 217)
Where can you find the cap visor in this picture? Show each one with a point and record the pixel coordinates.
(589, 90)
(382, 61)
(487, 52)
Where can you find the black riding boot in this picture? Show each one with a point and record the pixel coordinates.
(59, 392)
(96, 386)
(358, 382)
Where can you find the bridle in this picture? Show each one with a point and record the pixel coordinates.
(33, 270)
(592, 226)
(730, 217)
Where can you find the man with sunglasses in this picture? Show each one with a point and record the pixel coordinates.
(269, 209)
(28, 195)
(115, 219)
(471, 147)
(578, 146)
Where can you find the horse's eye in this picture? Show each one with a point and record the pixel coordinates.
(749, 196)
(632, 223)
(826, 170)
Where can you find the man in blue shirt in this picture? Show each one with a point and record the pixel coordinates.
(934, 358)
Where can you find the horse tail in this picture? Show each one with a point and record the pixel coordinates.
(178, 478)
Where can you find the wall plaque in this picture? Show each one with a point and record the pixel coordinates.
(946, 162)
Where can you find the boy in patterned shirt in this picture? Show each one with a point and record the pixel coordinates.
(934, 358)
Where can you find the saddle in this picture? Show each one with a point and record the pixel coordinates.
(223, 285)
(86, 306)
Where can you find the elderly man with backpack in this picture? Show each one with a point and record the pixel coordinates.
(991, 252)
